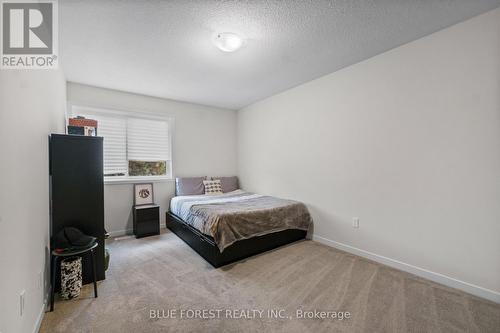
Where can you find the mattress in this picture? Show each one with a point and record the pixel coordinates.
(238, 215)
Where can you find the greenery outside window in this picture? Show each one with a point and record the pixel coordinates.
(144, 168)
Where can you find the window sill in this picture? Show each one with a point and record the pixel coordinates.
(136, 180)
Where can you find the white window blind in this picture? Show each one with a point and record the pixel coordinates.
(114, 133)
(147, 140)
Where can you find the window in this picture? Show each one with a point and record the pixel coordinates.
(135, 146)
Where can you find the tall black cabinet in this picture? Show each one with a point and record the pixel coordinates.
(77, 191)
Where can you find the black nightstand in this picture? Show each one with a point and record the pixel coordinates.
(146, 220)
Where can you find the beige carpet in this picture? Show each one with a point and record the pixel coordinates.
(163, 273)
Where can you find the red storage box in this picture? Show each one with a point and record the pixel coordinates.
(82, 122)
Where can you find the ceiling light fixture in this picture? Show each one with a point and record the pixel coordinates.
(228, 41)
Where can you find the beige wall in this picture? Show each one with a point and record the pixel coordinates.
(204, 144)
(408, 141)
(32, 104)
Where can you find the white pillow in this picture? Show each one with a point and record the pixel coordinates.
(213, 187)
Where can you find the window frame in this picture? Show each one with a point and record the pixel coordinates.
(74, 109)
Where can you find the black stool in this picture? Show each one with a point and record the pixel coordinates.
(55, 258)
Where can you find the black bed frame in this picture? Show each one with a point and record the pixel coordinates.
(206, 247)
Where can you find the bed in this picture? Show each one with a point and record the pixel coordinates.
(232, 226)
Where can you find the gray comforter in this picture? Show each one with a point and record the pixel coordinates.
(240, 215)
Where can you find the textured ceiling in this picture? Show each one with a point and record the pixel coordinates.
(164, 49)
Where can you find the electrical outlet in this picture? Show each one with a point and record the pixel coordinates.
(355, 222)
(22, 302)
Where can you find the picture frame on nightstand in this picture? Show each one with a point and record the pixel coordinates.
(143, 194)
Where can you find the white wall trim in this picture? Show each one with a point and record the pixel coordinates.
(433, 276)
(128, 232)
(122, 112)
(137, 180)
(40, 316)
(117, 233)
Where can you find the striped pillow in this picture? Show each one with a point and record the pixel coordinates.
(212, 187)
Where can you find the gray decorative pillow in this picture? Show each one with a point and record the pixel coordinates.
(212, 187)
(228, 183)
(189, 186)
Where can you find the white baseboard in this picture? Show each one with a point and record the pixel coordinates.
(126, 232)
(39, 319)
(116, 233)
(433, 276)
